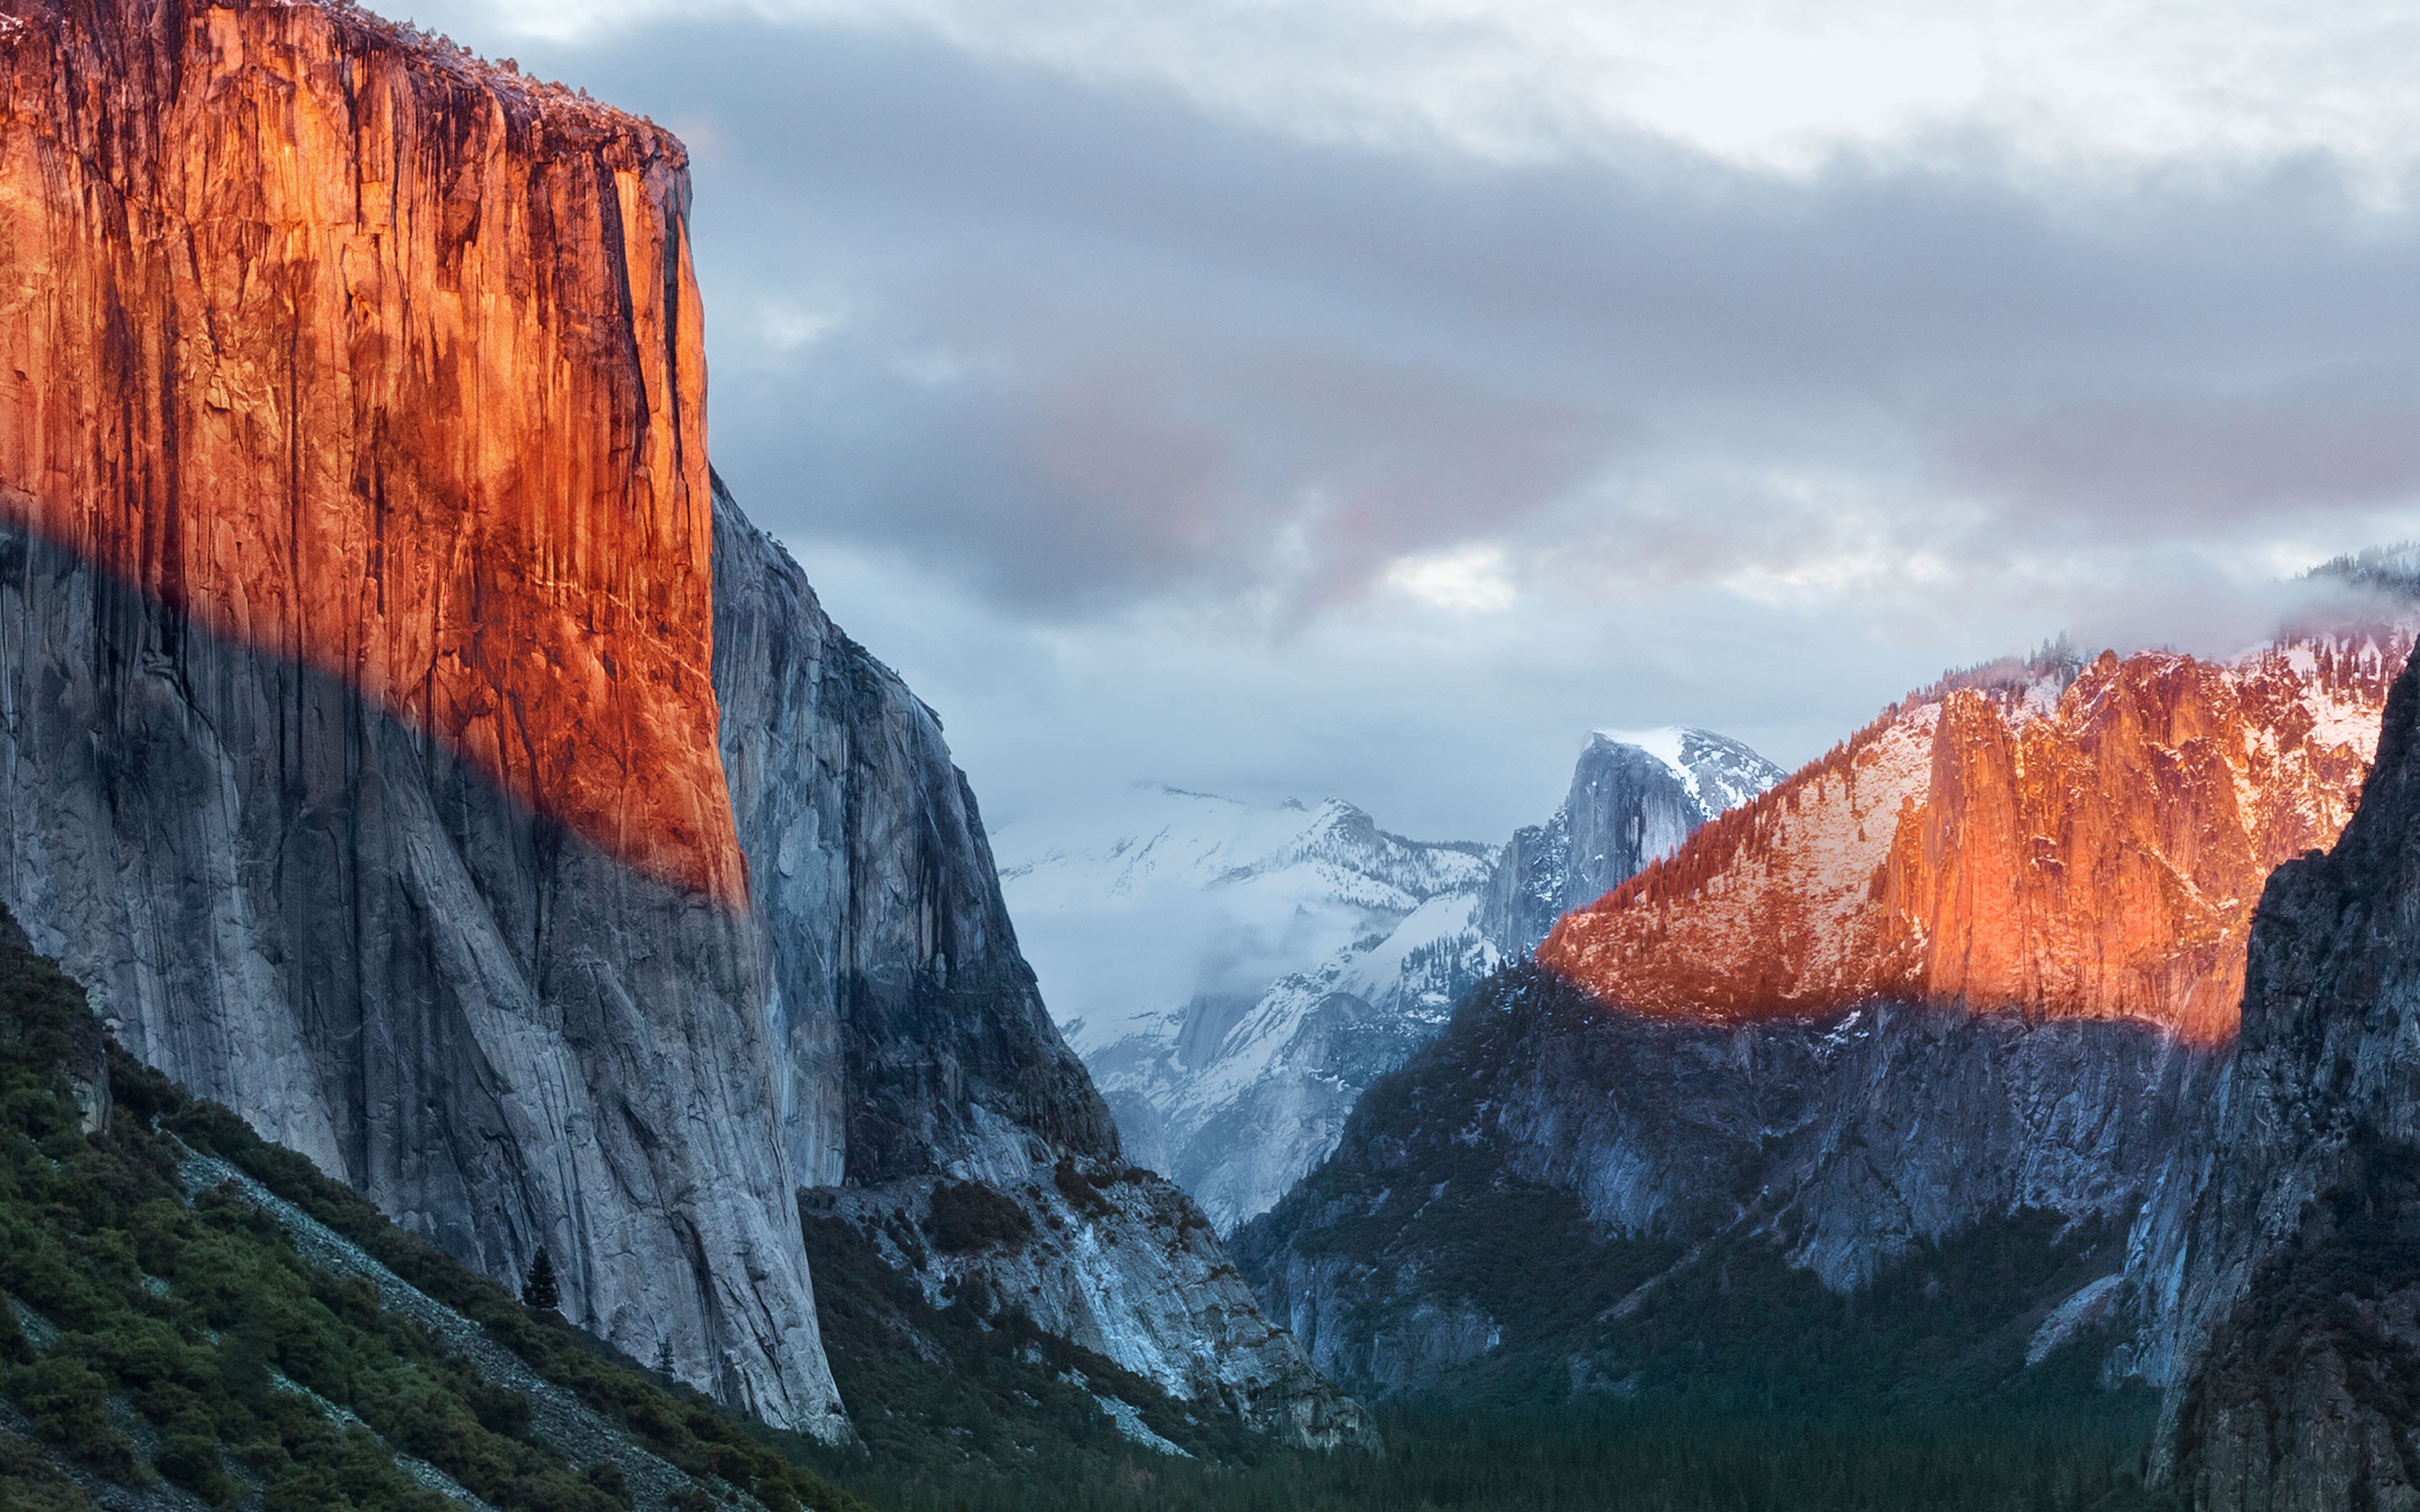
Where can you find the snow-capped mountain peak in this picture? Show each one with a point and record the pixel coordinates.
(1235, 973)
(1716, 771)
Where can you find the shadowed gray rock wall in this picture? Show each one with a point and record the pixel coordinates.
(917, 1048)
(300, 906)
(1843, 1144)
(917, 1039)
(2283, 1273)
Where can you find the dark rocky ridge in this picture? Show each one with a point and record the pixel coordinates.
(1840, 1146)
(2281, 1275)
(915, 1039)
(918, 1053)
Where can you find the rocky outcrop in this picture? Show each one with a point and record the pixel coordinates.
(2286, 1261)
(355, 727)
(1116, 1259)
(915, 1039)
(2079, 843)
(1838, 1145)
(919, 1056)
(1636, 797)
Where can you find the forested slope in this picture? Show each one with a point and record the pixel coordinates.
(197, 1317)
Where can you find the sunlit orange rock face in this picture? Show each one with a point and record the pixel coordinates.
(371, 356)
(2089, 851)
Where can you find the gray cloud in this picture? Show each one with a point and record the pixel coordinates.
(1124, 393)
(2151, 466)
(1092, 346)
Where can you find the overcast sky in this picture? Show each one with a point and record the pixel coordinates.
(1351, 399)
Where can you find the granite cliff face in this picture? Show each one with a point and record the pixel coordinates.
(359, 740)
(914, 1038)
(411, 749)
(2283, 1263)
(2081, 842)
(383, 361)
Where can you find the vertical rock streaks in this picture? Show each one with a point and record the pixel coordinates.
(916, 1049)
(914, 1033)
(376, 358)
(2077, 842)
(356, 718)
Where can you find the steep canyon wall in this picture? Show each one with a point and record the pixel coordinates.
(917, 1053)
(2281, 1267)
(411, 747)
(355, 646)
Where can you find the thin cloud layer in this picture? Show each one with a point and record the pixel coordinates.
(2061, 84)
(2157, 466)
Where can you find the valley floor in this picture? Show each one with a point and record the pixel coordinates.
(1670, 1457)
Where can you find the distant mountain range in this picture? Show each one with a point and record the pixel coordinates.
(1235, 975)
(1968, 979)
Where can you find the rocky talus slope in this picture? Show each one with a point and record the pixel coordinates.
(2291, 1286)
(411, 749)
(1850, 1021)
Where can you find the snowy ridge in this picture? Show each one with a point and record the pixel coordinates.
(1716, 771)
(1636, 797)
(1235, 973)
(1157, 836)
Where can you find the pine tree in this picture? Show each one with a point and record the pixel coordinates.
(540, 1294)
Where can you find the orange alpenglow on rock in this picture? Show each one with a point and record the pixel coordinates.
(364, 354)
(2002, 841)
